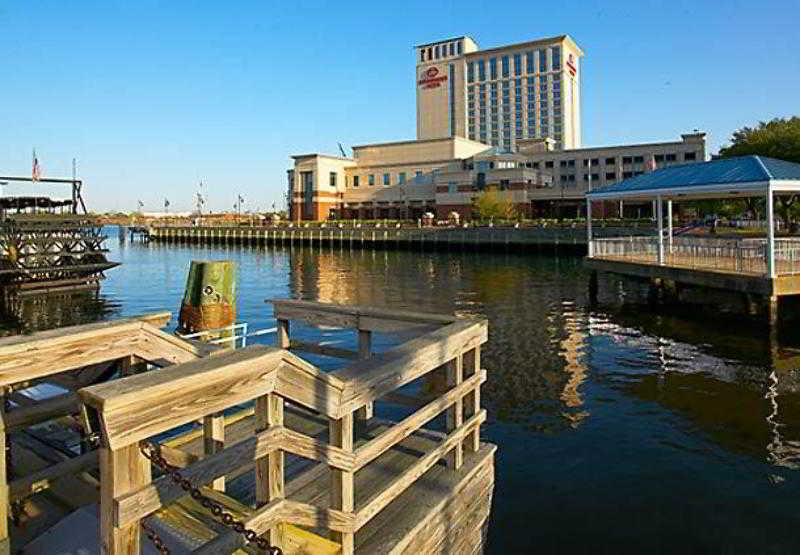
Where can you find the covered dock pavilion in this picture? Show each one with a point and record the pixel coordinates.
(767, 267)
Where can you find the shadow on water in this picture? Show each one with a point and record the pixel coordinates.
(620, 430)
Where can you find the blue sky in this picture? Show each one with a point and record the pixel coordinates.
(153, 96)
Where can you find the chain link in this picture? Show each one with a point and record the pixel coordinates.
(217, 510)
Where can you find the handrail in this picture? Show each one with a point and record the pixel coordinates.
(128, 411)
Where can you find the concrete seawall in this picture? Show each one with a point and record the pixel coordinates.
(484, 239)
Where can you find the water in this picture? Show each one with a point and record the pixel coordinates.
(619, 431)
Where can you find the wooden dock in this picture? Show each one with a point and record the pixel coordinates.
(294, 454)
(404, 238)
(736, 265)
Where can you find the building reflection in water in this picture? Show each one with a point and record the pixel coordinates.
(33, 313)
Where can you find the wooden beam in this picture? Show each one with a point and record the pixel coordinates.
(455, 414)
(342, 494)
(364, 352)
(325, 350)
(269, 471)
(44, 478)
(122, 471)
(148, 404)
(42, 411)
(401, 430)
(214, 441)
(146, 500)
(399, 484)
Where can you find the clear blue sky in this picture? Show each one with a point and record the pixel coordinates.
(152, 96)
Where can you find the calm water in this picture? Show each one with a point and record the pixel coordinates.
(619, 431)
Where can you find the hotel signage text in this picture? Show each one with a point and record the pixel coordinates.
(430, 78)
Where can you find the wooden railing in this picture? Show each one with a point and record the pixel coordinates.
(140, 407)
(71, 358)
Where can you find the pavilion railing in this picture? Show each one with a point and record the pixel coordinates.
(746, 256)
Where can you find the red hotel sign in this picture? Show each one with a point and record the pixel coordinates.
(430, 78)
(571, 65)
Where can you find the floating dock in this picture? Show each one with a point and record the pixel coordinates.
(116, 462)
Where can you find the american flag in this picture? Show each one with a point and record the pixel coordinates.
(166, 203)
(141, 204)
(36, 171)
(651, 163)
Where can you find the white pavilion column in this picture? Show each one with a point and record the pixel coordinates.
(589, 226)
(660, 218)
(770, 235)
(669, 225)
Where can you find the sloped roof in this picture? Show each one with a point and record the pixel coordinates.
(717, 178)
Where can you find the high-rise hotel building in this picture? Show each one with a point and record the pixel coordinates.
(498, 96)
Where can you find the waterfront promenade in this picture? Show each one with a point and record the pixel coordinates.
(570, 239)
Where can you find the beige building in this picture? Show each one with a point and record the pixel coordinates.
(505, 119)
(501, 95)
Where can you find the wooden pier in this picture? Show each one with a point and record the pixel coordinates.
(405, 238)
(294, 454)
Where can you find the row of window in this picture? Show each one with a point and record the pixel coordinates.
(610, 161)
(440, 51)
(386, 178)
(535, 61)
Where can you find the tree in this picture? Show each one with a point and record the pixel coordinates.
(493, 205)
(779, 138)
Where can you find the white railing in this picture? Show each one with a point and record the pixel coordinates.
(748, 256)
(229, 334)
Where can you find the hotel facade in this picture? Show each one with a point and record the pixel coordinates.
(504, 119)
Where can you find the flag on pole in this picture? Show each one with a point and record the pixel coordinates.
(651, 163)
(141, 205)
(36, 171)
(200, 199)
(241, 199)
(166, 203)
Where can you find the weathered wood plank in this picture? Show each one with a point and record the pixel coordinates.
(41, 411)
(409, 425)
(37, 481)
(121, 471)
(214, 441)
(270, 468)
(455, 414)
(148, 404)
(325, 350)
(403, 481)
(137, 504)
(342, 494)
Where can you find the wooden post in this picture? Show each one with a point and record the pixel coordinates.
(269, 469)
(455, 414)
(214, 441)
(121, 471)
(210, 298)
(472, 365)
(282, 338)
(364, 352)
(342, 494)
(772, 310)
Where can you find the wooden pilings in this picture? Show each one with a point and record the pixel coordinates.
(209, 301)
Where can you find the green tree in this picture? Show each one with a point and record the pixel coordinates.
(493, 205)
(779, 138)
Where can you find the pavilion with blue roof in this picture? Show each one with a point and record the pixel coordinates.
(746, 176)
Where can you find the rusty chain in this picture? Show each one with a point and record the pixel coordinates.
(217, 510)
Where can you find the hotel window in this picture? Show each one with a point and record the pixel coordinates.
(401, 178)
(659, 157)
(452, 49)
(386, 179)
(505, 66)
(458, 45)
(529, 61)
(371, 179)
(333, 179)
(492, 68)
(355, 181)
(542, 61)
(690, 156)
(627, 159)
(638, 159)
(517, 64)
(430, 53)
(422, 55)
(482, 70)
(611, 176)
(611, 161)
(556, 50)
(437, 52)
(627, 175)
(548, 164)
(470, 72)
(671, 157)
